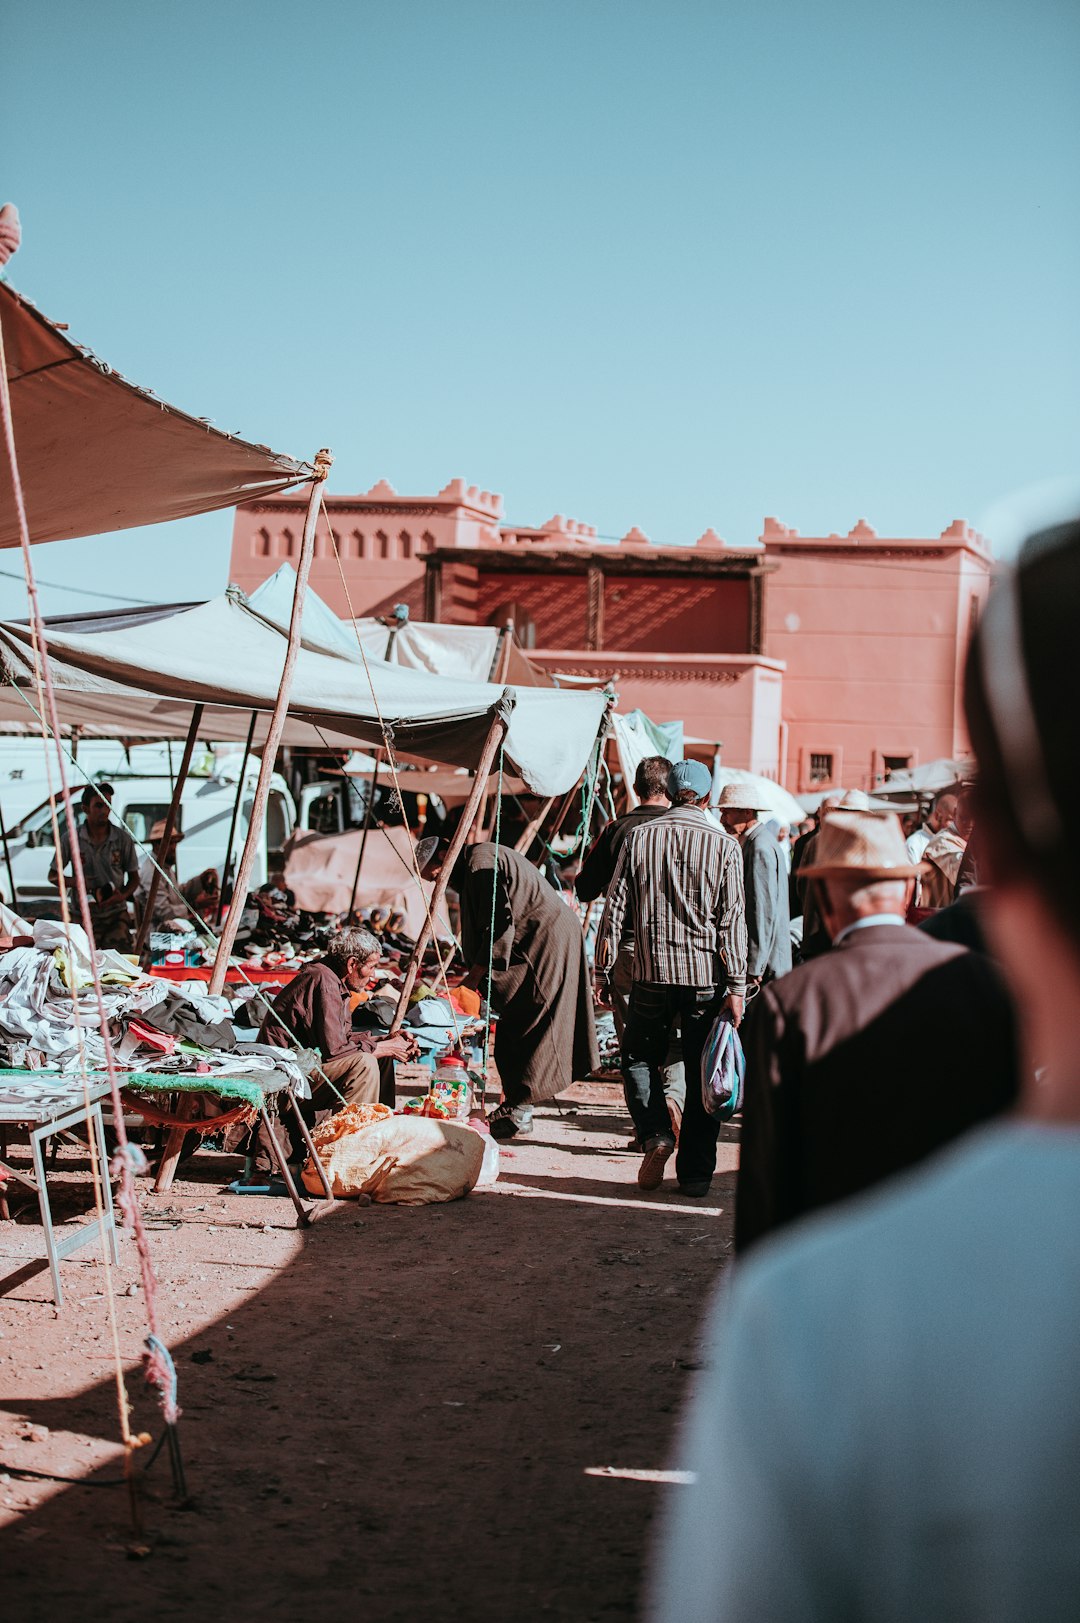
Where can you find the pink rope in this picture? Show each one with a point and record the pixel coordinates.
(127, 1155)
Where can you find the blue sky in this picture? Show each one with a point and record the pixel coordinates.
(672, 264)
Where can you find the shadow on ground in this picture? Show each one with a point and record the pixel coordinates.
(398, 1425)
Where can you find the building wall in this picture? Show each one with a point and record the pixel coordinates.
(864, 637)
(873, 635)
(382, 539)
(733, 702)
(666, 614)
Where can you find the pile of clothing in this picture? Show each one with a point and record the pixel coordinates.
(50, 1017)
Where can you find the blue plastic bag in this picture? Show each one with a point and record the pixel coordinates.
(723, 1070)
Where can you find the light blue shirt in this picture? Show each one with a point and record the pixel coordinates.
(873, 919)
(889, 1430)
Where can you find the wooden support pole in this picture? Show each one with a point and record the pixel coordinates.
(483, 769)
(532, 827)
(227, 864)
(274, 732)
(7, 864)
(504, 645)
(369, 812)
(172, 818)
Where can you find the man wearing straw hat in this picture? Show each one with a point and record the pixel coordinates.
(866, 1060)
(765, 883)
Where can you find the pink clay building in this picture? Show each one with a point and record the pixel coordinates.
(819, 661)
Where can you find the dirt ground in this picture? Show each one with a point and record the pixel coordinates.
(395, 1414)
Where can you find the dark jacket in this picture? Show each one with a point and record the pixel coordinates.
(314, 1007)
(602, 857)
(862, 1063)
(768, 921)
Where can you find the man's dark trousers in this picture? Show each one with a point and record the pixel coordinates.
(653, 1011)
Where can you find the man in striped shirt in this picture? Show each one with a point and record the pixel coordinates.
(679, 885)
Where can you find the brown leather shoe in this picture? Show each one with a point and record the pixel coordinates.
(651, 1171)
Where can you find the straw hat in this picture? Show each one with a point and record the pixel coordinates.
(736, 796)
(870, 844)
(853, 800)
(158, 832)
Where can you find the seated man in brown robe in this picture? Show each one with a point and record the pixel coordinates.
(540, 988)
(313, 1012)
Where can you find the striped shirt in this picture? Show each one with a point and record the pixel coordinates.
(679, 888)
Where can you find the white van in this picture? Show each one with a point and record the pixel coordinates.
(206, 808)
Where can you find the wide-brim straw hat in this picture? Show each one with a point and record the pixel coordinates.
(870, 844)
(742, 796)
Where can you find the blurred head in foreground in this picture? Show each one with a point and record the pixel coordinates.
(1022, 696)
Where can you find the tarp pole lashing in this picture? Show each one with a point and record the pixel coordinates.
(323, 462)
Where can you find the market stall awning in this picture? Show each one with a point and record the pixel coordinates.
(143, 678)
(470, 652)
(98, 454)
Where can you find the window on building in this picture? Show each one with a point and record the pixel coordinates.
(895, 763)
(383, 542)
(262, 543)
(821, 766)
(405, 542)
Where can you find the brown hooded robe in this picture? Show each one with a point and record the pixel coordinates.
(546, 1036)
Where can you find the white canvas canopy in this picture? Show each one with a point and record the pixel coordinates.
(466, 653)
(98, 454)
(142, 678)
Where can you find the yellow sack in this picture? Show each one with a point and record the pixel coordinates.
(407, 1160)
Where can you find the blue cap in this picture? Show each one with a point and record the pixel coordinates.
(689, 775)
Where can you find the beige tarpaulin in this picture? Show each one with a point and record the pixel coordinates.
(152, 669)
(320, 870)
(98, 454)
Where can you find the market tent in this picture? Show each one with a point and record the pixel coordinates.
(451, 784)
(931, 777)
(320, 628)
(465, 652)
(637, 737)
(320, 870)
(98, 454)
(226, 656)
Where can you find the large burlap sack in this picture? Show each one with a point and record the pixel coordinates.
(407, 1160)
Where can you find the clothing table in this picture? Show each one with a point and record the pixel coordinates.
(50, 1105)
(233, 975)
(253, 1093)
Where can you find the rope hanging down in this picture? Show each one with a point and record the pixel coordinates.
(125, 1158)
(491, 930)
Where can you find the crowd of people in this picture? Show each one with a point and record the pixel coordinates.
(888, 1426)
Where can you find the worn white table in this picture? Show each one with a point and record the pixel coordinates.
(48, 1105)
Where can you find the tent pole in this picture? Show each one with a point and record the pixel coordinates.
(500, 665)
(532, 828)
(171, 819)
(232, 823)
(483, 769)
(273, 734)
(498, 672)
(7, 863)
(369, 811)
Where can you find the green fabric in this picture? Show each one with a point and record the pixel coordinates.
(223, 1087)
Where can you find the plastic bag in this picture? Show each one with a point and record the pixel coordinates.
(723, 1071)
